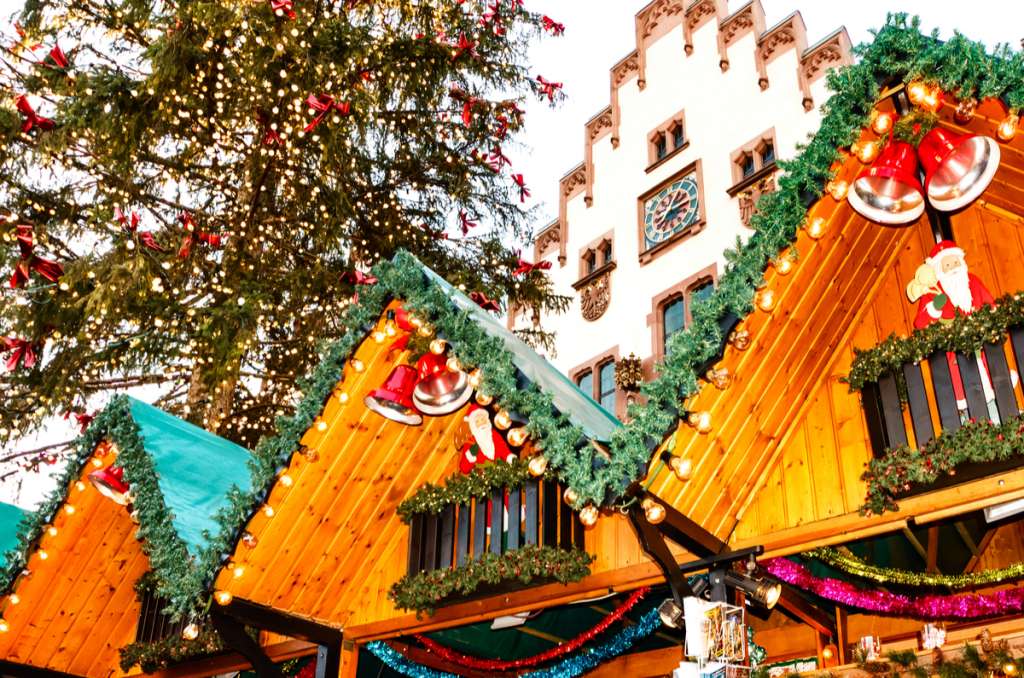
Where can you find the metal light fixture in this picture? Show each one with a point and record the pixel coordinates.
(671, 613)
(761, 590)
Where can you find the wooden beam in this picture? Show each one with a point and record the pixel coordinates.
(653, 543)
(25, 671)
(961, 529)
(687, 533)
(269, 619)
(235, 636)
(798, 606)
(932, 561)
(349, 660)
(918, 546)
(431, 660)
(641, 664)
(232, 661)
(843, 637)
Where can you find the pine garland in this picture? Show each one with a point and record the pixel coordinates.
(161, 654)
(903, 467)
(965, 333)
(857, 567)
(423, 591)
(460, 488)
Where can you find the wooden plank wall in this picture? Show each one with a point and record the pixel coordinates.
(78, 607)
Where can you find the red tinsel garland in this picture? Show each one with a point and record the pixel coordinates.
(471, 662)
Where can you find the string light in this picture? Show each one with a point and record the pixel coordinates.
(223, 597)
(190, 632)
(815, 228)
(589, 515)
(4, 626)
(701, 421)
(682, 467)
(866, 151)
(538, 465)
(438, 346)
(881, 122)
(653, 511)
(838, 189)
(14, 599)
(570, 497)
(766, 300)
(1007, 129)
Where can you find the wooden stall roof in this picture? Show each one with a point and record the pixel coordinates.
(783, 462)
(74, 605)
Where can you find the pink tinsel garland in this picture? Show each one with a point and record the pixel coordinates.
(928, 608)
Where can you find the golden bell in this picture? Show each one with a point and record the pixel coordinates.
(681, 467)
(589, 515)
(538, 465)
(653, 511)
(881, 122)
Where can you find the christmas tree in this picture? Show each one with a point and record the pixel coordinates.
(190, 190)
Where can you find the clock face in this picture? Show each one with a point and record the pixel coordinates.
(670, 210)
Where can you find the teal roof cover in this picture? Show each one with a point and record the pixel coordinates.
(583, 410)
(195, 469)
(10, 518)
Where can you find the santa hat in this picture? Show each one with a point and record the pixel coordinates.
(944, 249)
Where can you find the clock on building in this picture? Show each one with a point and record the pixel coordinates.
(670, 210)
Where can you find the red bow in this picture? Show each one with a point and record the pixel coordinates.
(145, 237)
(83, 419)
(548, 88)
(214, 240)
(465, 223)
(30, 261)
(58, 58)
(357, 277)
(21, 352)
(493, 15)
(553, 26)
(498, 159)
(464, 46)
(283, 8)
(324, 104)
(483, 302)
(467, 109)
(23, 42)
(524, 192)
(525, 267)
(32, 119)
(270, 135)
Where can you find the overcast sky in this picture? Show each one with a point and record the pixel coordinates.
(598, 34)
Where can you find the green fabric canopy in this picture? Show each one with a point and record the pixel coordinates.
(10, 518)
(195, 470)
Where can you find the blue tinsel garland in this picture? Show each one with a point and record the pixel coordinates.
(567, 668)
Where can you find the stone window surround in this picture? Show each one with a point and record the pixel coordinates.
(754, 148)
(691, 230)
(683, 288)
(593, 365)
(664, 132)
(597, 248)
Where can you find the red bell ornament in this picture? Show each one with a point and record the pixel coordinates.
(957, 167)
(440, 391)
(393, 400)
(110, 482)
(889, 191)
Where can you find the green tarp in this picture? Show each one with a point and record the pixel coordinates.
(195, 469)
(10, 517)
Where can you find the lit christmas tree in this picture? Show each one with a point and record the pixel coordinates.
(189, 190)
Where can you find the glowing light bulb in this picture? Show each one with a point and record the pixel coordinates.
(916, 92)
(237, 571)
(838, 189)
(268, 510)
(223, 597)
(4, 626)
(700, 421)
(740, 339)
(589, 516)
(502, 420)
(1008, 127)
(310, 454)
(14, 599)
(437, 346)
(79, 485)
(190, 632)
(69, 509)
(453, 364)
(720, 377)
(766, 300)
(379, 337)
(343, 397)
(517, 436)
(866, 152)
(476, 378)
(570, 497)
(784, 265)
(43, 555)
(321, 425)
(97, 462)
(681, 467)
(286, 480)
(483, 400)
(653, 511)
(357, 365)
(826, 653)
(816, 228)
(538, 465)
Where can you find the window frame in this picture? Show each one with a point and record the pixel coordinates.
(599, 385)
(592, 367)
(684, 289)
(753, 150)
(663, 138)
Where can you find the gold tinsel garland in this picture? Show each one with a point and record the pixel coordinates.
(885, 575)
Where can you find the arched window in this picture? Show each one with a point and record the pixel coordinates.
(673, 318)
(606, 383)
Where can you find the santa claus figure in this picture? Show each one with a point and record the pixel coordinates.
(485, 444)
(943, 287)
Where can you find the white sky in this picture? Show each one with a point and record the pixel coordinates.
(598, 34)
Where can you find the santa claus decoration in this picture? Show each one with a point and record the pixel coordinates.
(484, 444)
(943, 287)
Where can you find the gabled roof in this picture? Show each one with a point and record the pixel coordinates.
(10, 518)
(182, 480)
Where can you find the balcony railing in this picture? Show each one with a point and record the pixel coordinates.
(508, 520)
(915, 406)
(153, 624)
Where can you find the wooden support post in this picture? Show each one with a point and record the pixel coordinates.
(820, 643)
(653, 543)
(842, 638)
(794, 604)
(933, 548)
(328, 661)
(235, 636)
(349, 659)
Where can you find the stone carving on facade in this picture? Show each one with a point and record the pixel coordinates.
(738, 23)
(595, 296)
(696, 13)
(657, 12)
(625, 68)
(748, 197)
(574, 181)
(599, 125)
(776, 39)
(547, 241)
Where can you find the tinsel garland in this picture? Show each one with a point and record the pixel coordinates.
(886, 575)
(965, 333)
(567, 668)
(459, 488)
(923, 607)
(564, 648)
(424, 590)
(903, 467)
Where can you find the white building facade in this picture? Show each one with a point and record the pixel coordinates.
(699, 114)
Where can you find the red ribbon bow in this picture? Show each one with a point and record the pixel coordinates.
(467, 109)
(524, 192)
(357, 277)
(465, 224)
(553, 26)
(270, 135)
(22, 352)
(283, 8)
(30, 261)
(548, 88)
(132, 227)
(481, 300)
(83, 418)
(493, 16)
(525, 267)
(193, 235)
(464, 46)
(32, 119)
(497, 159)
(23, 42)
(59, 59)
(324, 104)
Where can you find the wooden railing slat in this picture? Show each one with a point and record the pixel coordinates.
(549, 509)
(447, 537)
(565, 514)
(532, 492)
(892, 411)
(479, 527)
(497, 511)
(999, 371)
(462, 534)
(945, 398)
(973, 390)
(872, 404)
(917, 397)
(431, 532)
(515, 515)
(416, 543)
